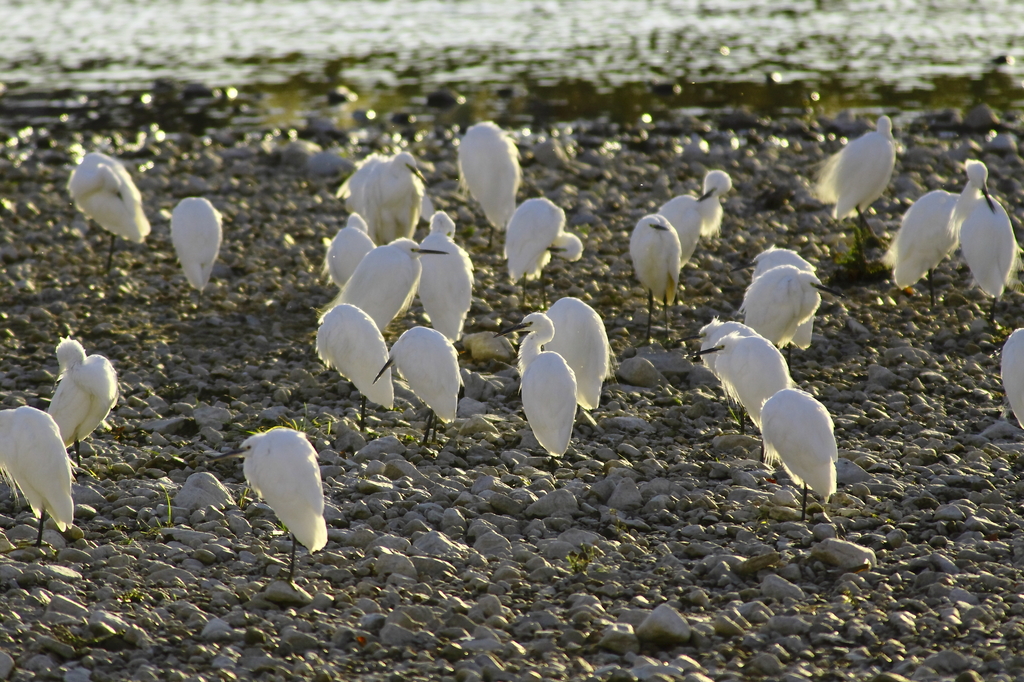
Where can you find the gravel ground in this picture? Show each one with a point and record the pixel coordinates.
(657, 548)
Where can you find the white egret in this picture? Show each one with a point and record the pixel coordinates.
(281, 467)
(85, 395)
(751, 369)
(489, 169)
(446, 285)
(547, 383)
(715, 330)
(384, 283)
(350, 342)
(430, 365)
(776, 303)
(797, 429)
(654, 248)
(581, 340)
(388, 193)
(773, 257)
(926, 236)
(103, 190)
(857, 175)
(346, 250)
(33, 458)
(196, 235)
(535, 230)
(695, 217)
(1012, 370)
(986, 236)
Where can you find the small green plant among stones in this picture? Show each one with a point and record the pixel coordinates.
(579, 560)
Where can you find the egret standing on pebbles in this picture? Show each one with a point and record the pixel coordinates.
(581, 340)
(548, 385)
(85, 395)
(654, 248)
(346, 250)
(797, 429)
(751, 370)
(926, 236)
(103, 190)
(534, 232)
(694, 217)
(350, 342)
(33, 458)
(446, 285)
(430, 364)
(986, 237)
(388, 193)
(779, 301)
(773, 257)
(489, 169)
(853, 178)
(196, 235)
(1012, 370)
(385, 281)
(281, 467)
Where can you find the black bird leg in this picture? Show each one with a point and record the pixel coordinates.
(803, 513)
(931, 286)
(650, 313)
(78, 456)
(42, 520)
(110, 254)
(362, 413)
(291, 564)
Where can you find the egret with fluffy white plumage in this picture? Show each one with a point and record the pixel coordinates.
(654, 250)
(85, 394)
(489, 169)
(446, 285)
(926, 237)
(535, 231)
(196, 236)
(387, 191)
(346, 250)
(580, 338)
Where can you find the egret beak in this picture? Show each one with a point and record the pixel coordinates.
(659, 226)
(696, 356)
(226, 455)
(827, 290)
(707, 195)
(745, 266)
(691, 338)
(556, 249)
(514, 328)
(416, 171)
(421, 251)
(991, 204)
(383, 369)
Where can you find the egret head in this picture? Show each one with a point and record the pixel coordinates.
(355, 220)
(534, 322)
(884, 126)
(655, 222)
(977, 173)
(716, 183)
(407, 160)
(69, 354)
(440, 223)
(568, 246)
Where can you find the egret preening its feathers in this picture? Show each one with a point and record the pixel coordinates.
(103, 190)
(926, 236)
(85, 395)
(489, 169)
(446, 284)
(857, 175)
(350, 342)
(548, 385)
(346, 250)
(196, 235)
(430, 365)
(281, 467)
(384, 283)
(388, 193)
(534, 232)
(986, 236)
(798, 430)
(580, 339)
(751, 370)
(654, 249)
(32, 457)
(773, 257)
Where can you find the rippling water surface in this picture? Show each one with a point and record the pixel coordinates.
(526, 59)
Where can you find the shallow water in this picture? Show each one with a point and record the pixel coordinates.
(564, 59)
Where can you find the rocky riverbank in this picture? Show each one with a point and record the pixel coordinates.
(657, 548)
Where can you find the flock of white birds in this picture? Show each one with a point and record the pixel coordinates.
(565, 357)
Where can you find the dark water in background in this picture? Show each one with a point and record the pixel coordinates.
(273, 62)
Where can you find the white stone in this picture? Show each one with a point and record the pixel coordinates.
(665, 627)
(203, 490)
